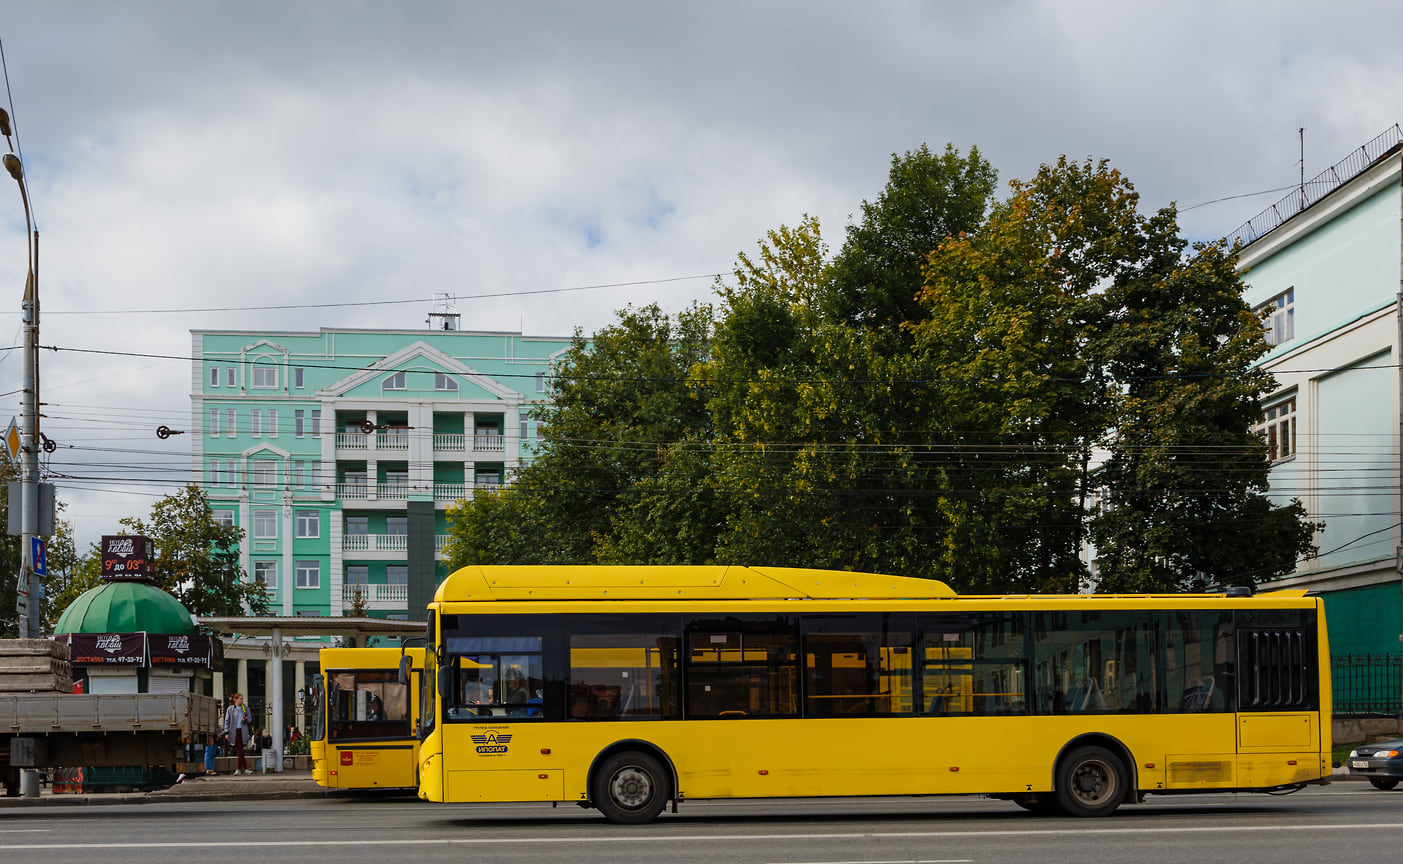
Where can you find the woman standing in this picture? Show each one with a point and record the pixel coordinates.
(239, 730)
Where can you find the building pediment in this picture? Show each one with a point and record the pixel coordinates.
(419, 362)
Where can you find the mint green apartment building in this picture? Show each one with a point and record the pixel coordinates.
(339, 452)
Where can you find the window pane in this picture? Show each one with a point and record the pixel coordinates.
(855, 665)
(739, 668)
(624, 677)
(973, 664)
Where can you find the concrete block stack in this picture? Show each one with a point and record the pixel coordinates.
(35, 666)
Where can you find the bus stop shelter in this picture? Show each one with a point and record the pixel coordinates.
(278, 629)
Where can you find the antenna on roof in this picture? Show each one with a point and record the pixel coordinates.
(444, 316)
(1302, 133)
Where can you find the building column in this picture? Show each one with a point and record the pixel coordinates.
(243, 678)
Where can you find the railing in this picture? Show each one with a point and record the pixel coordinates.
(352, 491)
(1367, 685)
(374, 542)
(392, 491)
(450, 492)
(1317, 187)
(439, 540)
(490, 443)
(389, 595)
(352, 441)
(392, 440)
(451, 443)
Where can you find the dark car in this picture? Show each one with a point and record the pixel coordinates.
(1381, 764)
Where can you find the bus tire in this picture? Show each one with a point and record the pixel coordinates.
(1091, 781)
(631, 788)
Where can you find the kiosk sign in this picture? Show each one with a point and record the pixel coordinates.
(126, 556)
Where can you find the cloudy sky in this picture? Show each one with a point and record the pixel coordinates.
(192, 164)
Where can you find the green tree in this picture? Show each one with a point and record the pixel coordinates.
(618, 401)
(1187, 476)
(197, 558)
(70, 574)
(876, 277)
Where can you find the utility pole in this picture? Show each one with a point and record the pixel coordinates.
(28, 594)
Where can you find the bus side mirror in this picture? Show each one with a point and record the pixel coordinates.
(404, 669)
(444, 690)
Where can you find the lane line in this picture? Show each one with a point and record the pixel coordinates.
(741, 838)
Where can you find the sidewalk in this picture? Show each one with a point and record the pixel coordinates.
(224, 787)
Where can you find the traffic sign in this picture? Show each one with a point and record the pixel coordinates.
(37, 557)
(11, 443)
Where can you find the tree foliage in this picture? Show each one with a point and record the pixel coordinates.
(969, 390)
(197, 558)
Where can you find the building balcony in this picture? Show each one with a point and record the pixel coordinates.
(393, 546)
(450, 493)
(372, 492)
(462, 443)
(394, 598)
(374, 542)
(393, 441)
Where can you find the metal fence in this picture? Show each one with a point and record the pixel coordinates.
(1367, 685)
(1318, 187)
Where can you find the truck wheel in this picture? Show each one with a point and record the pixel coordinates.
(1091, 781)
(630, 788)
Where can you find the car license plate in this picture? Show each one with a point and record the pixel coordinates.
(1359, 763)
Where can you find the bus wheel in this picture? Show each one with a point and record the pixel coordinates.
(631, 788)
(1090, 782)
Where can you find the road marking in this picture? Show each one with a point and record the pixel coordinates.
(25, 830)
(887, 861)
(633, 838)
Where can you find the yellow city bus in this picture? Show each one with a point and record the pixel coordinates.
(625, 688)
(365, 718)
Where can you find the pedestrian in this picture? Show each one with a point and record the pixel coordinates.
(209, 755)
(239, 729)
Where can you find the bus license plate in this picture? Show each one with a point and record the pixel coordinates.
(1359, 763)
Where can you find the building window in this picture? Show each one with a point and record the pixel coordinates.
(489, 478)
(272, 422)
(255, 423)
(397, 574)
(216, 472)
(231, 469)
(223, 518)
(524, 428)
(308, 524)
(266, 572)
(309, 574)
(397, 526)
(297, 376)
(316, 421)
(394, 382)
(229, 378)
(214, 422)
(540, 382)
(314, 474)
(231, 426)
(214, 376)
(1278, 426)
(265, 524)
(299, 423)
(299, 473)
(265, 473)
(265, 377)
(445, 382)
(357, 526)
(357, 574)
(1279, 317)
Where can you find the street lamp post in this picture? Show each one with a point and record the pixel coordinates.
(28, 589)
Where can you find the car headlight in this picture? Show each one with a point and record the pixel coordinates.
(1383, 754)
(1353, 754)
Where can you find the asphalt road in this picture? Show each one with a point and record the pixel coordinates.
(1346, 822)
